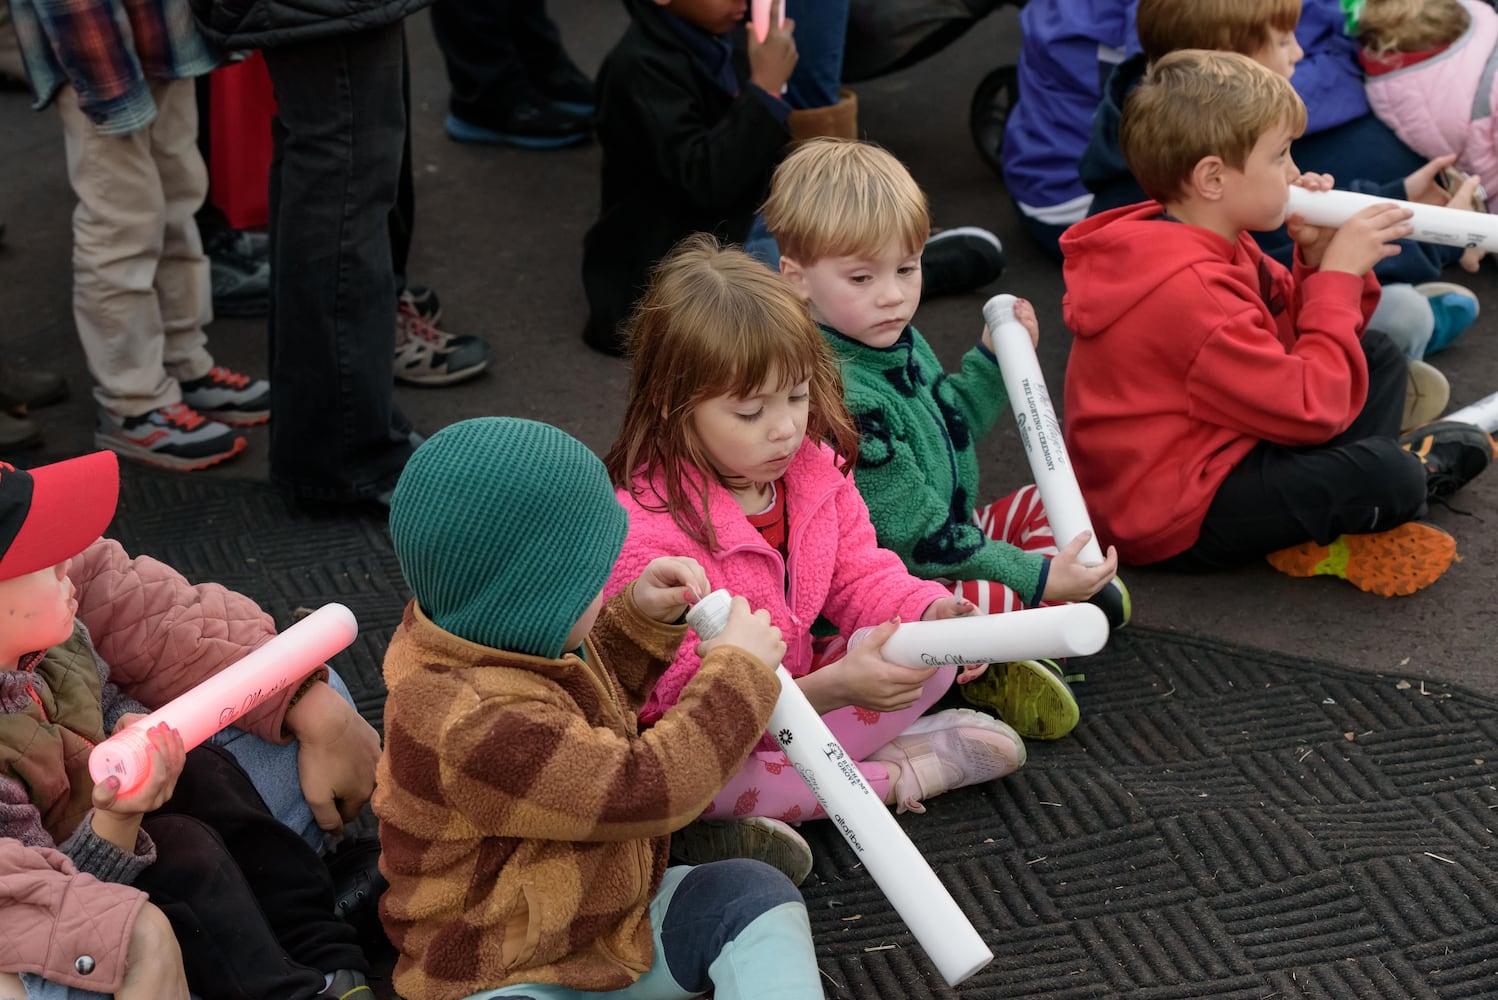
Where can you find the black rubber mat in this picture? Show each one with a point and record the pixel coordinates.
(1224, 822)
(249, 538)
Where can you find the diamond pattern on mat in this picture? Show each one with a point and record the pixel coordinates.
(1307, 919)
(1229, 850)
(1424, 897)
(1462, 966)
(1208, 831)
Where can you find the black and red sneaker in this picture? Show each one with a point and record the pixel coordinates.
(173, 437)
(229, 397)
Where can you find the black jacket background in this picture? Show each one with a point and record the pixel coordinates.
(680, 155)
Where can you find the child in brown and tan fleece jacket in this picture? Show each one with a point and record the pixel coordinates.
(525, 820)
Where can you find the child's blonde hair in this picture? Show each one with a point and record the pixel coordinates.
(1386, 26)
(1193, 104)
(844, 198)
(1242, 26)
(715, 322)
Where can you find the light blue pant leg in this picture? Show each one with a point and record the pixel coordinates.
(738, 928)
(1405, 315)
(273, 770)
(821, 30)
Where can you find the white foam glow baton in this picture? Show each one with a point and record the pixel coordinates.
(1039, 430)
(1483, 413)
(900, 870)
(760, 18)
(1029, 634)
(197, 714)
(1453, 227)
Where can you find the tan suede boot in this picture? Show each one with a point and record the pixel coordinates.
(838, 120)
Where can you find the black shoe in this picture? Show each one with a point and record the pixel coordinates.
(960, 260)
(533, 123)
(29, 387)
(1452, 452)
(357, 886)
(238, 275)
(567, 87)
(1115, 602)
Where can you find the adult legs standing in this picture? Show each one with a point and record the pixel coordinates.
(339, 135)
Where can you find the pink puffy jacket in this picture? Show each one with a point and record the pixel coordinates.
(837, 568)
(1445, 104)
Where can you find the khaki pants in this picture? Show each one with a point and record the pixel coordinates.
(141, 293)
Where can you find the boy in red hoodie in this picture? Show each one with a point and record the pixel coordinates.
(1220, 408)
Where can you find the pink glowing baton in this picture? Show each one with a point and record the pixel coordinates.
(197, 714)
(760, 18)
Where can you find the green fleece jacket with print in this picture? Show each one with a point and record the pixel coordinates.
(917, 461)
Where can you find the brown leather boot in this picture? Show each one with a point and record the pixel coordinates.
(838, 120)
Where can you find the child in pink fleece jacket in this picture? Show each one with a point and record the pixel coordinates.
(1429, 76)
(744, 466)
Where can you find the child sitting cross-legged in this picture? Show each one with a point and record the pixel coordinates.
(86, 632)
(525, 817)
(1220, 408)
(850, 222)
(736, 450)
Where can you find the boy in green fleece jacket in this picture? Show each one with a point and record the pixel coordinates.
(524, 817)
(850, 222)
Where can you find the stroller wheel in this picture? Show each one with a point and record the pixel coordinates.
(995, 95)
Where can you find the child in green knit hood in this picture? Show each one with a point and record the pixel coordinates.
(850, 222)
(525, 819)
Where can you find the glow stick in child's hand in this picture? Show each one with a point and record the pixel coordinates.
(1039, 430)
(1031, 634)
(863, 819)
(1453, 227)
(760, 18)
(197, 714)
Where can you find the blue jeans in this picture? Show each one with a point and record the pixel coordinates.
(821, 30)
(273, 769)
(339, 134)
(738, 928)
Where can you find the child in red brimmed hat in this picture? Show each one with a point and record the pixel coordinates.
(88, 639)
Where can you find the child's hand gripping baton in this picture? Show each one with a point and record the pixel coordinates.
(1051, 632)
(1039, 430)
(1453, 227)
(864, 821)
(197, 714)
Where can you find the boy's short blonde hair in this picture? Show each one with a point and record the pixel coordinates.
(844, 198)
(1193, 104)
(1387, 26)
(1242, 26)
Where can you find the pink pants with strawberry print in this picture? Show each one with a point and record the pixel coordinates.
(767, 784)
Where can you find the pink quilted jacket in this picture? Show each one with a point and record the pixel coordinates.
(61, 924)
(160, 636)
(837, 568)
(1434, 106)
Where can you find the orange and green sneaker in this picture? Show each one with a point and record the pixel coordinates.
(1031, 695)
(1390, 563)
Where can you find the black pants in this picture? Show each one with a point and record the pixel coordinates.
(340, 135)
(251, 903)
(1359, 481)
(493, 49)
(212, 221)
